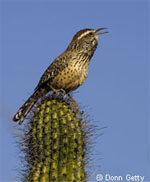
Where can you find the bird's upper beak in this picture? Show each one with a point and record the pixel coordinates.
(99, 33)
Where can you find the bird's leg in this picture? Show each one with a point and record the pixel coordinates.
(75, 105)
(58, 91)
(62, 91)
(55, 90)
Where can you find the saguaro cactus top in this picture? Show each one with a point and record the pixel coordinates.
(54, 143)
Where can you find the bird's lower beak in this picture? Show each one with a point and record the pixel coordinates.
(99, 33)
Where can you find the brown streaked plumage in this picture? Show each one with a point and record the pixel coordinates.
(67, 72)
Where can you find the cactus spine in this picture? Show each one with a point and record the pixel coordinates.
(55, 143)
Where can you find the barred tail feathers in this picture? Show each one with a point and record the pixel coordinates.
(27, 106)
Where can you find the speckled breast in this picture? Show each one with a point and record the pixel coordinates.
(72, 76)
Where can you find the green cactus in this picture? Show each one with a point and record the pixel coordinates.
(55, 143)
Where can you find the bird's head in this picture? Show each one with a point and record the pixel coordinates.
(86, 39)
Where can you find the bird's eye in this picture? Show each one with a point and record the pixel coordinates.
(91, 33)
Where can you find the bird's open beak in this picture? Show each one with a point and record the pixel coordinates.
(99, 33)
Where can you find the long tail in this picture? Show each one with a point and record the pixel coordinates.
(27, 106)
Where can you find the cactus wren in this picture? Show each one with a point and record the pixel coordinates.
(67, 72)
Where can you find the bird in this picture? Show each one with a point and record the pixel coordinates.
(67, 72)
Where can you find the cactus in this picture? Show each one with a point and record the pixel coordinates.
(55, 143)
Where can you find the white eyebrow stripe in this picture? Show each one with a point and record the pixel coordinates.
(85, 33)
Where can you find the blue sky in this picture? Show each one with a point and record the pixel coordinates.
(115, 95)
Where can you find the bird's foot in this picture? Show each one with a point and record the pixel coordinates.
(58, 91)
